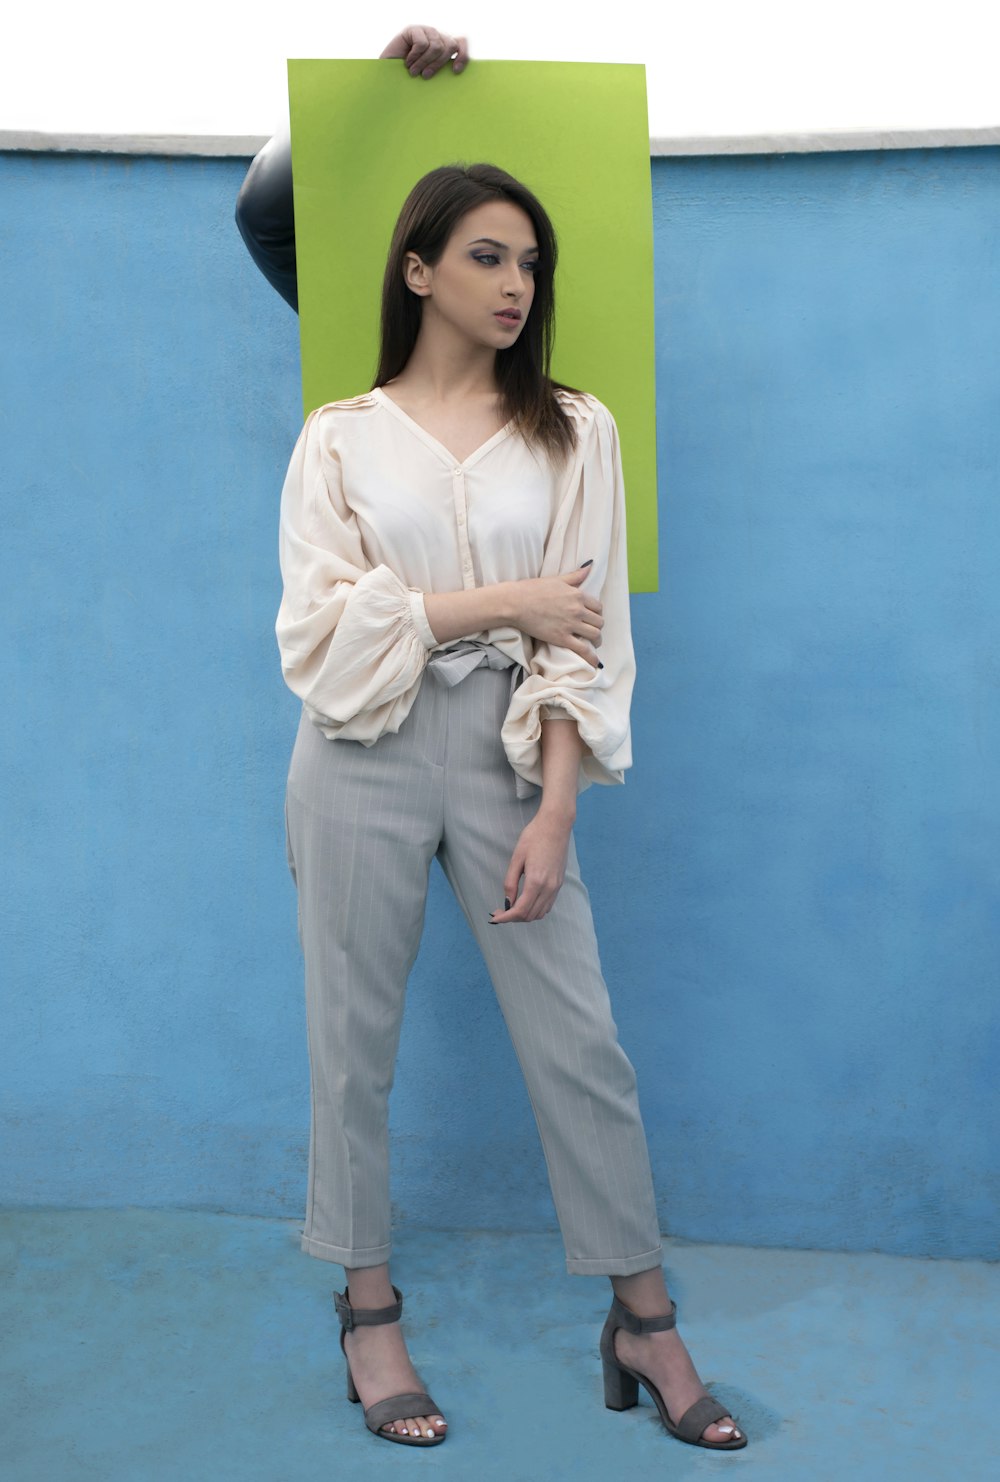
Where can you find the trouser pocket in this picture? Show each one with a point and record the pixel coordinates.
(291, 870)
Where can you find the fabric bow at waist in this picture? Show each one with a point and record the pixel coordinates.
(449, 666)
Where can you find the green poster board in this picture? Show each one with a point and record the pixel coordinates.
(576, 133)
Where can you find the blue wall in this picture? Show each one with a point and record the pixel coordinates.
(796, 891)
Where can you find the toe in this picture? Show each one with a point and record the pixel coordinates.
(721, 1430)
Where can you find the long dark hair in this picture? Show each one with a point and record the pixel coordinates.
(424, 226)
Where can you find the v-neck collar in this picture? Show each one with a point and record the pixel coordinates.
(432, 442)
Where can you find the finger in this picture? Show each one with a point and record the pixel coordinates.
(444, 49)
(586, 652)
(513, 917)
(524, 907)
(462, 54)
(541, 909)
(416, 37)
(425, 52)
(428, 64)
(511, 881)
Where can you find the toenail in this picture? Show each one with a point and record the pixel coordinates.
(430, 1433)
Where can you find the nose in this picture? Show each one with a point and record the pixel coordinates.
(515, 288)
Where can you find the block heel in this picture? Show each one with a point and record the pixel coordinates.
(621, 1389)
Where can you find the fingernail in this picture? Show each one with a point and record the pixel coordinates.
(587, 563)
(599, 664)
(506, 904)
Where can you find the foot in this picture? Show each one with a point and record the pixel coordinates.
(665, 1359)
(380, 1367)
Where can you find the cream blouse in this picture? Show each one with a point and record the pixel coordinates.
(375, 512)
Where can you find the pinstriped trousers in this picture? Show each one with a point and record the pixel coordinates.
(362, 826)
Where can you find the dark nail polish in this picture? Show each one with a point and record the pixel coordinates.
(587, 563)
(599, 664)
(506, 904)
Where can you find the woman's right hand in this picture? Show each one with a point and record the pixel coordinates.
(554, 610)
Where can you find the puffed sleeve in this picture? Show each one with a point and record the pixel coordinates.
(354, 639)
(590, 521)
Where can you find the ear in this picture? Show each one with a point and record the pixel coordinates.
(416, 274)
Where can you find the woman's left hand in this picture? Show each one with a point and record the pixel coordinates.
(426, 50)
(540, 855)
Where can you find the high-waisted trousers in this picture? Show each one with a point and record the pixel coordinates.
(362, 826)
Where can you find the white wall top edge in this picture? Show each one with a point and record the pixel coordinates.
(244, 146)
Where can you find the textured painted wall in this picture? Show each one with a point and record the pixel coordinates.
(796, 891)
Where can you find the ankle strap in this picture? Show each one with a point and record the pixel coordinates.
(633, 1323)
(357, 1317)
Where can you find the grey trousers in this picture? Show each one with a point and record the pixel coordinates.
(362, 826)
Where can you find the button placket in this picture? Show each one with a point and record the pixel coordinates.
(461, 512)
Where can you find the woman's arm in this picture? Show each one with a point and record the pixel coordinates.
(591, 521)
(265, 211)
(474, 610)
(265, 216)
(562, 748)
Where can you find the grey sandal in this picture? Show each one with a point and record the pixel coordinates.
(621, 1384)
(396, 1407)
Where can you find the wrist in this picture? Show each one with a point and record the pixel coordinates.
(509, 603)
(558, 810)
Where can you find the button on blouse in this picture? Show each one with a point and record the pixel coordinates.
(375, 512)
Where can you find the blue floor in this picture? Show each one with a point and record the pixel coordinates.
(145, 1345)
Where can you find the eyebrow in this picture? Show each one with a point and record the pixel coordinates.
(494, 243)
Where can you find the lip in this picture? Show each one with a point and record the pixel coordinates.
(511, 315)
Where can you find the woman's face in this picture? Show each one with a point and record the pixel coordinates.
(475, 278)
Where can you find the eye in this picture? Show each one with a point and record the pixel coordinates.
(492, 257)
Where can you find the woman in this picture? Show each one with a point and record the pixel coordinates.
(452, 548)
